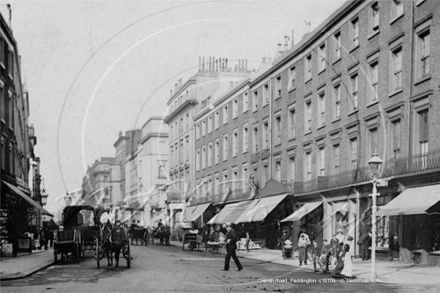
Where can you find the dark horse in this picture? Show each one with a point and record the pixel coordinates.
(163, 234)
(114, 239)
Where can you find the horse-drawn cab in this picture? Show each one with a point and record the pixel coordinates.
(77, 234)
(161, 233)
(138, 234)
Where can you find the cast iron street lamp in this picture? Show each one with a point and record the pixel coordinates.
(375, 163)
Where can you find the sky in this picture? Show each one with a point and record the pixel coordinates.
(95, 68)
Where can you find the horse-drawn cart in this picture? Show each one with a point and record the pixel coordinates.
(138, 234)
(78, 233)
(192, 238)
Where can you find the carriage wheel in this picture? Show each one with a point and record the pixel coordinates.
(83, 250)
(128, 256)
(97, 256)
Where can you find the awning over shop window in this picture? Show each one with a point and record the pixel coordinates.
(230, 213)
(259, 209)
(189, 211)
(413, 201)
(302, 211)
(197, 212)
(28, 199)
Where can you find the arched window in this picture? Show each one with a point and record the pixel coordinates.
(162, 172)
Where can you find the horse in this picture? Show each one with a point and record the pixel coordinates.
(106, 245)
(118, 241)
(163, 234)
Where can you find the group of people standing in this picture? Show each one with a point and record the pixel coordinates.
(340, 248)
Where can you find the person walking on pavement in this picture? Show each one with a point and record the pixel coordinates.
(364, 242)
(231, 246)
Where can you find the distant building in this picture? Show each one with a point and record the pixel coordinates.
(214, 76)
(102, 184)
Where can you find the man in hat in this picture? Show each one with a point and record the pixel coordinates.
(105, 217)
(231, 246)
(283, 238)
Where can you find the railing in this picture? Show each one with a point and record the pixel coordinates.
(413, 164)
(394, 167)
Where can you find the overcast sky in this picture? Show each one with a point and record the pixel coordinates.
(94, 68)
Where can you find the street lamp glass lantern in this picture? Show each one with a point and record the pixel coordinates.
(375, 164)
(67, 199)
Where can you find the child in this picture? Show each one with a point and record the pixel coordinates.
(316, 252)
(325, 256)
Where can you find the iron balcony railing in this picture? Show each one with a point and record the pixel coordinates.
(394, 167)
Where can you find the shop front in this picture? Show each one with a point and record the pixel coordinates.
(418, 212)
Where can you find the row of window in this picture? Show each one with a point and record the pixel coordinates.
(6, 106)
(6, 57)
(205, 155)
(423, 65)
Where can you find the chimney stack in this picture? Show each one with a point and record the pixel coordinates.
(10, 15)
(280, 48)
(264, 60)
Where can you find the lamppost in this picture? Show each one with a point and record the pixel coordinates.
(375, 163)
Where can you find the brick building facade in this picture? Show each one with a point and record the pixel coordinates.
(363, 82)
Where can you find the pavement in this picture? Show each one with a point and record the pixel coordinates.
(24, 265)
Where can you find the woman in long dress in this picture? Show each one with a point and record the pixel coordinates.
(302, 246)
(347, 271)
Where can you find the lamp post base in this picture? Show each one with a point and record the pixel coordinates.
(373, 276)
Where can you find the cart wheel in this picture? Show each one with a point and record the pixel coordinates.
(78, 252)
(128, 256)
(97, 256)
(83, 250)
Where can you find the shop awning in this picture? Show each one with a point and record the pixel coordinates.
(198, 211)
(260, 208)
(413, 201)
(302, 211)
(28, 199)
(230, 213)
(189, 211)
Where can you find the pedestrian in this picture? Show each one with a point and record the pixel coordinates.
(339, 255)
(315, 253)
(302, 244)
(231, 246)
(46, 238)
(347, 271)
(394, 247)
(325, 256)
(334, 242)
(160, 223)
(248, 240)
(51, 236)
(364, 242)
(283, 238)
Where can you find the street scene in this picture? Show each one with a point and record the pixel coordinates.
(194, 146)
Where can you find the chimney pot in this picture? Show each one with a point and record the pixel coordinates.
(264, 60)
(280, 47)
